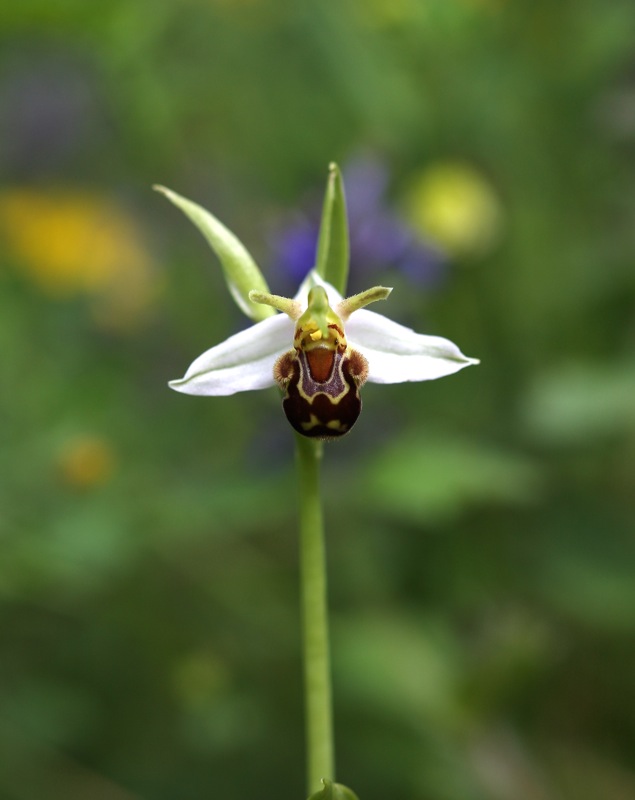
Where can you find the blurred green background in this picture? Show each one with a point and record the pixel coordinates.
(480, 528)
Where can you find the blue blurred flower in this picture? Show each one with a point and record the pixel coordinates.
(380, 240)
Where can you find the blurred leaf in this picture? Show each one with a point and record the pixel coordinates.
(580, 403)
(404, 666)
(598, 592)
(432, 476)
(78, 551)
(49, 711)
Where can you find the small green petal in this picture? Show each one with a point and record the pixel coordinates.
(357, 301)
(288, 306)
(240, 270)
(334, 791)
(333, 248)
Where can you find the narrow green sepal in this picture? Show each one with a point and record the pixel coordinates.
(333, 247)
(334, 791)
(241, 272)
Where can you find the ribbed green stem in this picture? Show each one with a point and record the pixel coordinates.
(317, 669)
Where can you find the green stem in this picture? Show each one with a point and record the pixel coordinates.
(317, 670)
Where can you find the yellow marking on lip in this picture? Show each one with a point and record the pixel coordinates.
(312, 423)
(336, 425)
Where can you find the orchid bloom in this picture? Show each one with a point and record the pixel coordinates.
(318, 347)
(320, 351)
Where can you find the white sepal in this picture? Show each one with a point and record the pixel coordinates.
(397, 354)
(241, 363)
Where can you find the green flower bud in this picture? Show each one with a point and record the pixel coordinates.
(333, 247)
(334, 791)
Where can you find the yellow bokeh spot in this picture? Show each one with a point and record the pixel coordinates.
(453, 206)
(73, 242)
(86, 462)
(487, 5)
(386, 13)
(383, 14)
(200, 678)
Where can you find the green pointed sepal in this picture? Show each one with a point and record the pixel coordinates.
(239, 268)
(333, 245)
(334, 791)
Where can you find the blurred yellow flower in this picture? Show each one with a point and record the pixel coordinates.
(200, 678)
(456, 208)
(389, 13)
(385, 13)
(86, 461)
(73, 242)
(488, 5)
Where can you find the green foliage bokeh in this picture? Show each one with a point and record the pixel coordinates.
(480, 528)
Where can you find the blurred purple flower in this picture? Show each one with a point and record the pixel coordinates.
(379, 239)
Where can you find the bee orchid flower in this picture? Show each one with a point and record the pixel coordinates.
(320, 349)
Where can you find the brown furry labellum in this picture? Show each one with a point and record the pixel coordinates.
(321, 389)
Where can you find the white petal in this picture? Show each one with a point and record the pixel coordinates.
(242, 362)
(397, 354)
